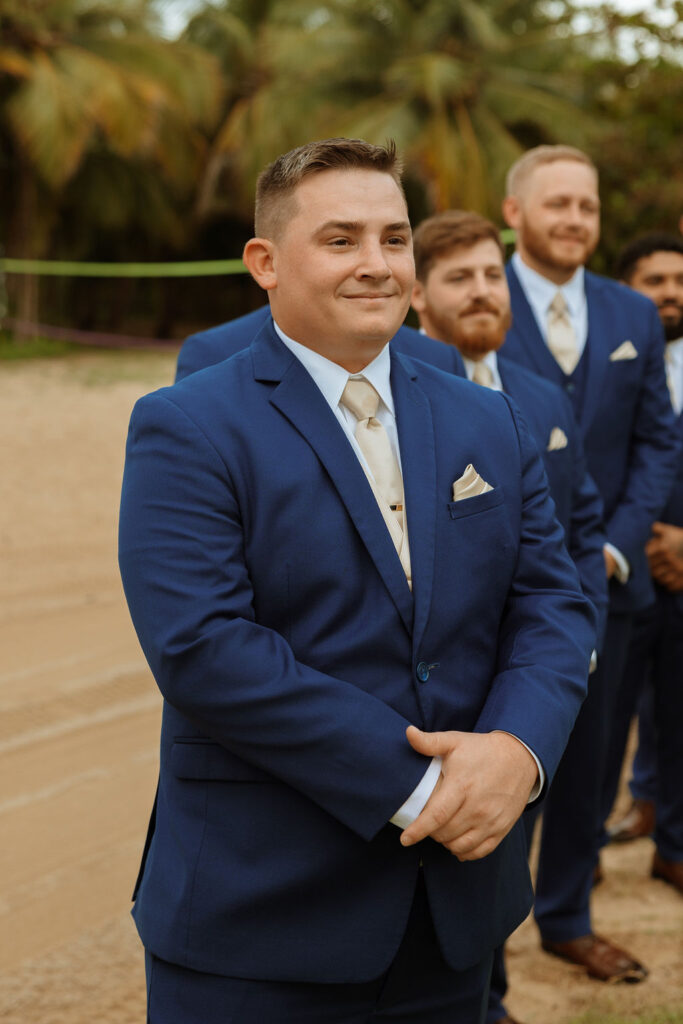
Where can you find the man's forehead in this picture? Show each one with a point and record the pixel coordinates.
(661, 262)
(482, 252)
(361, 185)
(560, 175)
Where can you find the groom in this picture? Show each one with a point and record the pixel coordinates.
(346, 575)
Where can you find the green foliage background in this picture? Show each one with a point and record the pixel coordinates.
(118, 143)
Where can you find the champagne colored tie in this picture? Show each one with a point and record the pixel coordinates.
(561, 337)
(482, 374)
(360, 398)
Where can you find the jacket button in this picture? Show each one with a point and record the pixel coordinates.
(422, 671)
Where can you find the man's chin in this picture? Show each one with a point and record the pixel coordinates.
(570, 258)
(477, 347)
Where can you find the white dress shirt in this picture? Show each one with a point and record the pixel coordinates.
(540, 292)
(674, 359)
(331, 380)
(490, 360)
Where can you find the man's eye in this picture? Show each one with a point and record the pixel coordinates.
(397, 240)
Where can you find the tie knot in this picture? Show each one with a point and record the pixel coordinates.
(360, 398)
(558, 307)
(482, 374)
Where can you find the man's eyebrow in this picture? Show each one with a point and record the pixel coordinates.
(357, 225)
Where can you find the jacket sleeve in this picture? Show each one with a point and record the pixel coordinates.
(654, 453)
(181, 555)
(547, 633)
(586, 537)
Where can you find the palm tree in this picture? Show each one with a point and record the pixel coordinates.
(463, 88)
(83, 83)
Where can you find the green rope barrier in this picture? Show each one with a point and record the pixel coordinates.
(195, 268)
(65, 268)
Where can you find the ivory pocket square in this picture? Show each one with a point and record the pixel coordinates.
(558, 439)
(627, 350)
(469, 485)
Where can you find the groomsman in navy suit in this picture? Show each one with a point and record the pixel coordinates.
(345, 572)
(602, 344)
(462, 298)
(653, 266)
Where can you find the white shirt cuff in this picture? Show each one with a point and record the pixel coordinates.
(593, 663)
(412, 808)
(623, 569)
(538, 785)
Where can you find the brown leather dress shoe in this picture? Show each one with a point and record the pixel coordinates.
(670, 871)
(601, 958)
(638, 821)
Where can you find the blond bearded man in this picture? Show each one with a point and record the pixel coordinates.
(602, 344)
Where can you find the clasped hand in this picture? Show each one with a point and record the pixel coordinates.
(485, 783)
(665, 554)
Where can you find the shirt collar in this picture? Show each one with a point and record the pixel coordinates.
(331, 378)
(541, 291)
(491, 360)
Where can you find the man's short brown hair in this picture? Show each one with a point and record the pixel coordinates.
(522, 169)
(439, 235)
(275, 186)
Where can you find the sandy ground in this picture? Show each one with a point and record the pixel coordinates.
(79, 725)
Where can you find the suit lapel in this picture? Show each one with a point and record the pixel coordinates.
(301, 402)
(418, 464)
(600, 334)
(527, 335)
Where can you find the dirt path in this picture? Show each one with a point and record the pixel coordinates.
(79, 719)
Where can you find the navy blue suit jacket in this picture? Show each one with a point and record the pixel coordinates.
(626, 422)
(673, 511)
(217, 343)
(577, 502)
(274, 613)
(578, 505)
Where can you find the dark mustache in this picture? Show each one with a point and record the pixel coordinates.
(481, 306)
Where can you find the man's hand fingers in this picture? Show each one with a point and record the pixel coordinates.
(433, 744)
(435, 816)
(474, 849)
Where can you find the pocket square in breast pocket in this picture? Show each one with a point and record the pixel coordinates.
(469, 485)
(558, 439)
(627, 350)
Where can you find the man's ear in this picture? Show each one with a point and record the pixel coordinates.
(258, 258)
(511, 211)
(417, 299)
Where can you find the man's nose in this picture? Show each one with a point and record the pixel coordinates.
(576, 215)
(480, 286)
(372, 261)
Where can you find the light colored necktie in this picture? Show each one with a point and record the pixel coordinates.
(560, 336)
(482, 374)
(360, 397)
